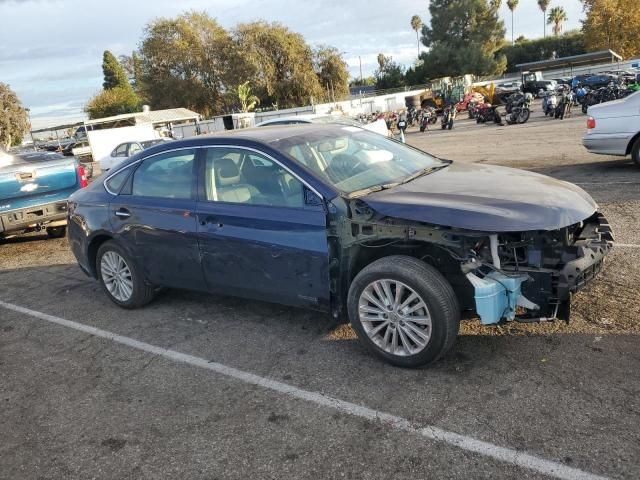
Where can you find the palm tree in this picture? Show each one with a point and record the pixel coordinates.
(544, 4)
(416, 24)
(247, 101)
(381, 60)
(557, 15)
(512, 4)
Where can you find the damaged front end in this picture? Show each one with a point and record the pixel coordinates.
(527, 276)
(531, 276)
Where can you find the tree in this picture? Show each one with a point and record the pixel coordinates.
(114, 74)
(133, 68)
(557, 15)
(188, 61)
(14, 121)
(331, 70)
(114, 101)
(416, 24)
(363, 82)
(612, 25)
(512, 4)
(463, 37)
(389, 75)
(280, 64)
(247, 100)
(544, 4)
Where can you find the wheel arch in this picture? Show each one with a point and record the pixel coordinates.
(633, 140)
(92, 251)
(361, 256)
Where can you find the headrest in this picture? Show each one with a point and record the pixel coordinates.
(227, 172)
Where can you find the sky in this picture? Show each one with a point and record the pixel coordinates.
(51, 50)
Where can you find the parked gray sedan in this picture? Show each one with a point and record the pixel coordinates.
(613, 128)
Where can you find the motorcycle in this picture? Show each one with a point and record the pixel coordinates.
(520, 109)
(428, 116)
(563, 108)
(549, 103)
(488, 113)
(448, 115)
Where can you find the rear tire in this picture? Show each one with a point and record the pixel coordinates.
(135, 292)
(430, 287)
(523, 116)
(56, 232)
(635, 152)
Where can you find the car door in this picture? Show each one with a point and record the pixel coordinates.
(262, 231)
(154, 218)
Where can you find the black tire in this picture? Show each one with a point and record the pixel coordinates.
(142, 293)
(422, 128)
(450, 124)
(585, 107)
(434, 290)
(443, 126)
(523, 116)
(56, 232)
(635, 152)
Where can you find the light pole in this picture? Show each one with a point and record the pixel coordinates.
(360, 61)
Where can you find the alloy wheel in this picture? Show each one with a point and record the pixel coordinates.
(116, 276)
(395, 317)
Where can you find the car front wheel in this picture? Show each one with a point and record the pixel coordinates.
(121, 278)
(404, 311)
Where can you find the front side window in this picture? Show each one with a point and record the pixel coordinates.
(169, 175)
(352, 159)
(134, 148)
(240, 176)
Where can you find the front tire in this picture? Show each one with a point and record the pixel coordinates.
(121, 278)
(404, 311)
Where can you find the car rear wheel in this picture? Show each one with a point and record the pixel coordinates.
(404, 311)
(121, 278)
(635, 152)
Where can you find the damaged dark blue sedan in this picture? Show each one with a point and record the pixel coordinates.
(336, 218)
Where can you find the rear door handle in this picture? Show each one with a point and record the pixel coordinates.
(211, 221)
(123, 213)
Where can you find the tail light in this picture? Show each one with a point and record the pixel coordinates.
(82, 175)
(591, 123)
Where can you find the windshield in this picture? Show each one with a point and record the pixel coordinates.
(352, 159)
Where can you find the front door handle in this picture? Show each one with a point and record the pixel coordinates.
(123, 213)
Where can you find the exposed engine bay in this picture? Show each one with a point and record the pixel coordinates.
(512, 276)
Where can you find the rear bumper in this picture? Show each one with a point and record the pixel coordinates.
(33, 217)
(606, 144)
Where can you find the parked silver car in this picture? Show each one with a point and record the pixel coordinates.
(613, 128)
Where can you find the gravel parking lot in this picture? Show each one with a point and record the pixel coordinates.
(200, 386)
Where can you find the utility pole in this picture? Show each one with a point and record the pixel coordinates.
(360, 60)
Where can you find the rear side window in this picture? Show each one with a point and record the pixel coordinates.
(169, 175)
(120, 151)
(114, 184)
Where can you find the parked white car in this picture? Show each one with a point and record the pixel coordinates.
(126, 150)
(379, 126)
(613, 128)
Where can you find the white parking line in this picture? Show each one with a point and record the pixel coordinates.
(625, 182)
(507, 455)
(626, 245)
